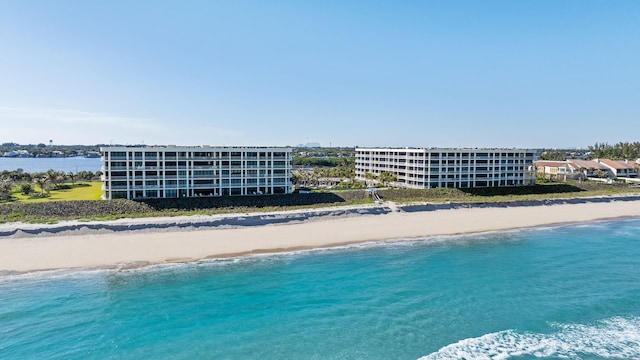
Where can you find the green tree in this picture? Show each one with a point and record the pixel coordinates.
(42, 181)
(619, 151)
(386, 177)
(6, 185)
(55, 177)
(26, 189)
(552, 155)
(85, 175)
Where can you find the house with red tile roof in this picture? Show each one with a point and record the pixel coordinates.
(590, 168)
(620, 168)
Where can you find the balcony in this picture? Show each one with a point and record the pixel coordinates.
(202, 158)
(205, 176)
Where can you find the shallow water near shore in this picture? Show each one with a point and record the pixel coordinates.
(569, 292)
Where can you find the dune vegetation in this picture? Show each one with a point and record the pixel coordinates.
(80, 201)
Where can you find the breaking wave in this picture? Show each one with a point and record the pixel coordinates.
(617, 338)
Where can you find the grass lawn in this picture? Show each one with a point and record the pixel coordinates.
(78, 191)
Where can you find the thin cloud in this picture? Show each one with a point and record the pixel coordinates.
(28, 125)
(59, 117)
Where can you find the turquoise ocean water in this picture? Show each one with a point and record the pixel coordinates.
(558, 293)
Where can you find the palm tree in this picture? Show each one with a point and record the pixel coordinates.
(304, 178)
(313, 178)
(72, 176)
(42, 182)
(295, 179)
(387, 177)
(53, 177)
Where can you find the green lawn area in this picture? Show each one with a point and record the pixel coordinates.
(78, 191)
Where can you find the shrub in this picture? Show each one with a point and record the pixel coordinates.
(26, 189)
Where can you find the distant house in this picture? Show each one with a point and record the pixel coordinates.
(17, 153)
(597, 169)
(556, 170)
(620, 168)
(590, 168)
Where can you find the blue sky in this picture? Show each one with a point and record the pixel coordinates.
(383, 73)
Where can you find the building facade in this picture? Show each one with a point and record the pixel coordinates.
(172, 172)
(557, 170)
(620, 168)
(448, 168)
(588, 169)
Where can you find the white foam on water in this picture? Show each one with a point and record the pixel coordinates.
(53, 274)
(437, 240)
(617, 338)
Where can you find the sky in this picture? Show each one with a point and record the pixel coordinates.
(530, 74)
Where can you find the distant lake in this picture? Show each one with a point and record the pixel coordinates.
(68, 164)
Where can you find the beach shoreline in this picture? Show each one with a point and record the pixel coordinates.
(131, 243)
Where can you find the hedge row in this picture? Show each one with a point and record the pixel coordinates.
(186, 204)
(441, 193)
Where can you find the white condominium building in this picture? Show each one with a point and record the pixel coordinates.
(171, 172)
(448, 168)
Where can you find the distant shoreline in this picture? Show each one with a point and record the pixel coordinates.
(127, 243)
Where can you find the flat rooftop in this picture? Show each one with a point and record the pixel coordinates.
(439, 149)
(191, 147)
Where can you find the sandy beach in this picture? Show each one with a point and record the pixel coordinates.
(138, 242)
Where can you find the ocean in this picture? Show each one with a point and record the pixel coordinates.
(66, 164)
(553, 293)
